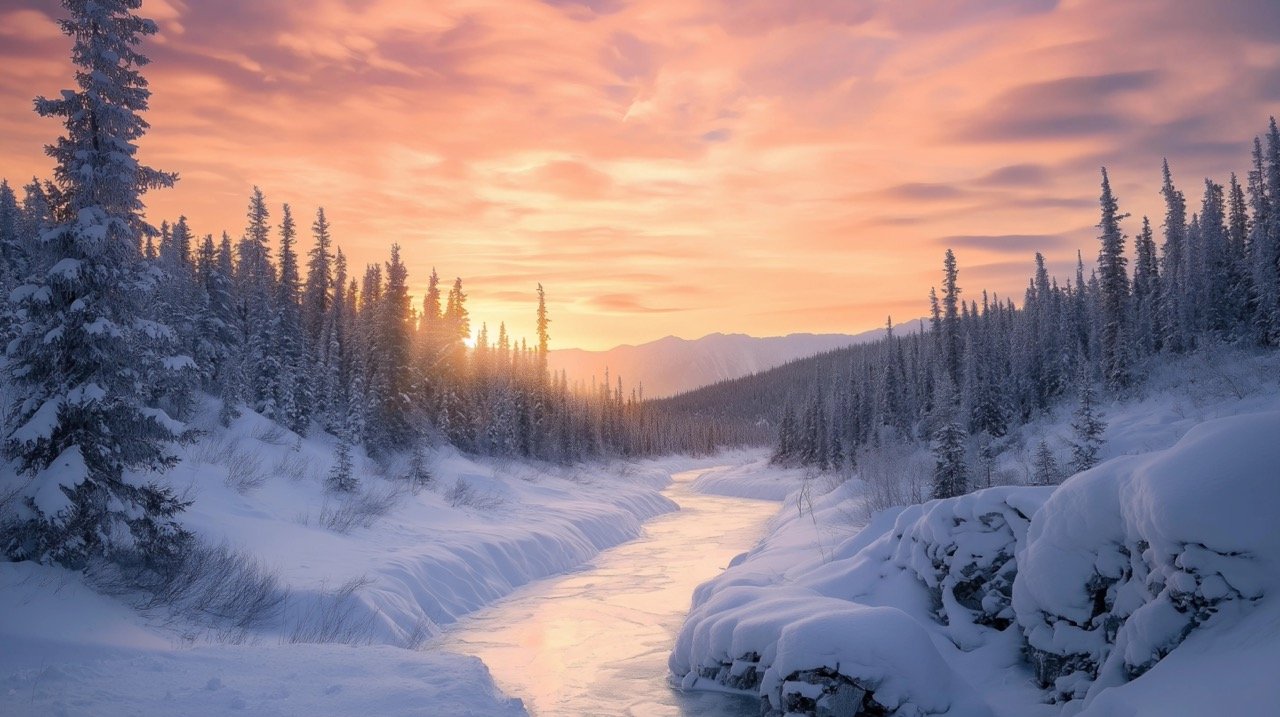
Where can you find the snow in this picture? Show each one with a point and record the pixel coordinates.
(751, 476)
(1145, 586)
(372, 576)
(41, 424)
(1129, 558)
(865, 604)
(883, 650)
(50, 486)
(71, 651)
(67, 269)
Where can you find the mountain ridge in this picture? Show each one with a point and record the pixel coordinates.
(672, 365)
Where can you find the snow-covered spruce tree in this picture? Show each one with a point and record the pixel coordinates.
(1146, 293)
(1087, 428)
(255, 280)
(342, 477)
(293, 395)
(318, 290)
(1173, 282)
(419, 475)
(392, 345)
(950, 473)
(10, 247)
(951, 338)
(1046, 466)
(1114, 283)
(84, 352)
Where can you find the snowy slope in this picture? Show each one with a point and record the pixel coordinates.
(1146, 586)
(71, 651)
(672, 365)
(363, 579)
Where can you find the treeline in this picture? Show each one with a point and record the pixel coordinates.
(315, 346)
(115, 329)
(985, 366)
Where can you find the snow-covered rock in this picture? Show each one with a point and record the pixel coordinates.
(852, 628)
(1128, 559)
(1152, 573)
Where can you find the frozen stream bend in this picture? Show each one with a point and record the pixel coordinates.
(596, 641)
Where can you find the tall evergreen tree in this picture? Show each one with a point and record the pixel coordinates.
(1146, 292)
(1114, 285)
(84, 349)
(544, 335)
(951, 340)
(293, 395)
(255, 289)
(318, 290)
(1174, 261)
(11, 250)
(1046, 466)
(394, 347)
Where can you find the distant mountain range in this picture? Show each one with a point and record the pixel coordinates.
(673, 365)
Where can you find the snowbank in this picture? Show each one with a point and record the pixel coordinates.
(383, 569)
(754, 478)
(98, 658)
(851, 627)
(1149, 576)
(1128, 559)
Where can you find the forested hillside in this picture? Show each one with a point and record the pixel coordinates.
(983, 364)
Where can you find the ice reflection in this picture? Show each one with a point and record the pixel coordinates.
(595, 642)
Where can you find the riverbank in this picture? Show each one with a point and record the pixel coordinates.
(1144, 586)
(350, 587)
(595, 641)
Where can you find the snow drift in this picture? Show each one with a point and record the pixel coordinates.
(1080, 590)
(1128, 559)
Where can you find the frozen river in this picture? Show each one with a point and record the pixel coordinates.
(595, 641)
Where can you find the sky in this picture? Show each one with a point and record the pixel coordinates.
(682, 166)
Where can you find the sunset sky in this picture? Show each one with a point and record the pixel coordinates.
(682, 166)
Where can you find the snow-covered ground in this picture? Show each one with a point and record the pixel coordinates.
(1146, 586)
(361, 583)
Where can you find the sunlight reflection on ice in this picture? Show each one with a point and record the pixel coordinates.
(595, 642)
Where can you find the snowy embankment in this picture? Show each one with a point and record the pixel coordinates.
(1149, 585)
(382, 569)
(749, 475)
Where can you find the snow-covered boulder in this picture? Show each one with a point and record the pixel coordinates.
(963, 549)
(850, 636)
(1126, 560)
(855, 660)
(807, 654)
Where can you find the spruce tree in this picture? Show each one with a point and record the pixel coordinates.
(292, 391)
(342, 477)
(11, 254)
(393, 354)
(1046, 466)
(85, 350)
(1113, 284)
(1087, 428)
(950, 473)
(1146, 292)
(951, 339)
(318, 290)
(1173, 281)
